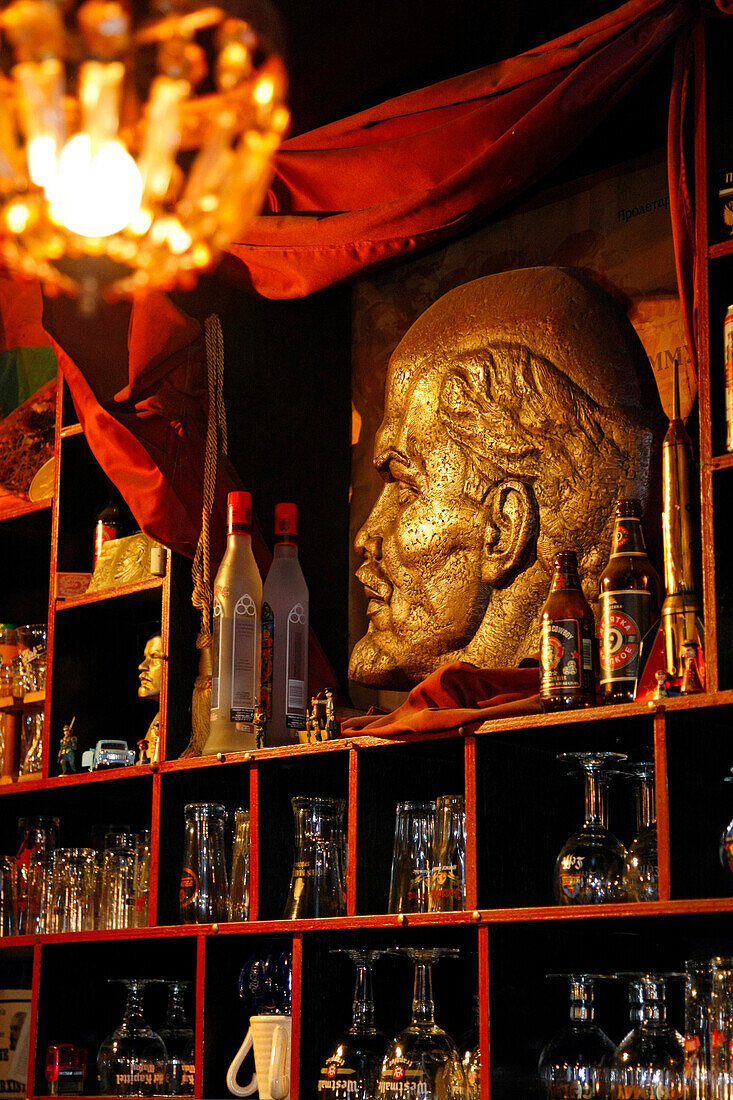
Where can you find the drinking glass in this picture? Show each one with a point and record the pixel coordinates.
(117, 901)
(40, 890)
(422, 1057)
(8, 896)
(72, 890)
(698, 988)
(409, 889)
(204, 894)
(574, 1061)
(32, 744)
(641, 866)
(141, 880)
(352, 1067)
(239, 883)
(649, 1062)
(178, 1038)
(721, 1028)
(265, 983)
(36, 834)
(132, 1060)
(447, 889)
(316, 888)
(589, 868)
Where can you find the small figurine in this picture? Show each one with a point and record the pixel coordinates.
(662, 689)
(691, 682)
(316, 722)
(260, 724)
(332, 726)
(67, 750)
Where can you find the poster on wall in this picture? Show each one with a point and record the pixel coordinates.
(15, 1015)
(614, 227)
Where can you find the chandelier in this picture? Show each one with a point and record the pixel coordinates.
(136, 140)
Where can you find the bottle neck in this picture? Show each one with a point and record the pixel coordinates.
(423, 1009)
(239, 536)
(628, 537)
(565, 580)
(286, 549)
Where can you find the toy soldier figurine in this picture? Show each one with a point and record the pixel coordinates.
(67, 750)
(332, 726)
(260, 724)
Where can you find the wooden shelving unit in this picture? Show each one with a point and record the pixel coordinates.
(520, 804)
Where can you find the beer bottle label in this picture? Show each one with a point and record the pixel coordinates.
(267, 658)
(625, 618)
(566, 655)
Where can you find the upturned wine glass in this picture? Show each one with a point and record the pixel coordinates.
(177, 1036)
(641, 866)
(132, 1060)
(573, 1062)
(649, 1062)
(422, 1060)
(589, 868)
(352, 1067)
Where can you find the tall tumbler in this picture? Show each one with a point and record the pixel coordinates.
(448, 867)
(117, 901)
(8, 896)
(239, 885)
(721, 1029)
(72, 890)
(409, 889)
(204, 895)
(40, 890)
(697, 1030)
(316, 887)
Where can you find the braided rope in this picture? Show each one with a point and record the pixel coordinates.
(216, 443)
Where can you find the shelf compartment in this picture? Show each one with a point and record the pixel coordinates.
(25, 561)
(77, 1004)
(528, 803)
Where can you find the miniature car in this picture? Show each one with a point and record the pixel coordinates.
(108, 754)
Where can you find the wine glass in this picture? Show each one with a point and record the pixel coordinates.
(650, 1061)
(573, 1062)
(589, 868)
(422, 1057)
(178, 1039)
(353, 1065)
(132, 1060)
(641, 866)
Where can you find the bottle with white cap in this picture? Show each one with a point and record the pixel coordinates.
(235, 681)
(285, 634)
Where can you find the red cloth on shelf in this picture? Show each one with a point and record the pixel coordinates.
(459, 694)
(424, 167)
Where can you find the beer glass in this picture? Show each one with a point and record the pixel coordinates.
(178, 1039)
(698, 976)
(8, 896)
(409, 889)
(117, 902)
(239, 881)
(447, 890)
(72, 890)
(40, 892)
(204, 895)
(649, 1062)
(353, 1064)
(132, 1060)
(641, 865)
(573, 1062)
(316, 888)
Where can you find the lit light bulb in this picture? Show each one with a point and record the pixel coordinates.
(94, 196)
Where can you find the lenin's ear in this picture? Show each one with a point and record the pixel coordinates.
(512, 523)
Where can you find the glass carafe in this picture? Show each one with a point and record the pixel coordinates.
(589, 868)
(178, 1039)
(422, 1061)
(316, 889)
(132, 1060)
(351, 1069)
(573, 1063)
(204, 894)
(641, 866)
(649, 1062)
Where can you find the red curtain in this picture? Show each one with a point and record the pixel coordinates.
(425, 167)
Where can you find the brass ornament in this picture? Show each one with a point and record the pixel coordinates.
(517, 408)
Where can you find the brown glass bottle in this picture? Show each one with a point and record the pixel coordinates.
(630, 594)
(568, 643)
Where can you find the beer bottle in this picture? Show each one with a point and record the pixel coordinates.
(630, 594)
(568, 644)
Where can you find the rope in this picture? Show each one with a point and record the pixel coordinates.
(216, 443)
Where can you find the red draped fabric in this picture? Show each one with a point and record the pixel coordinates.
(422, 168)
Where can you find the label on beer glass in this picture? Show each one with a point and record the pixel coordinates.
(189, 888)
(625, 619)
(567, 655)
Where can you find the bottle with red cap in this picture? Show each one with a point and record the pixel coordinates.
(285, 634)
(235, 680)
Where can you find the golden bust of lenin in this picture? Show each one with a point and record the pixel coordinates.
(517, 408)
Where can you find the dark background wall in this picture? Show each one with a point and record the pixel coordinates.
(287, 364)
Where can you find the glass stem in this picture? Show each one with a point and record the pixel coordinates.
(133, 1009)
(423, 1009)
(595, 797)
(176, 1016)
(363, 1008)
(645, 809)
